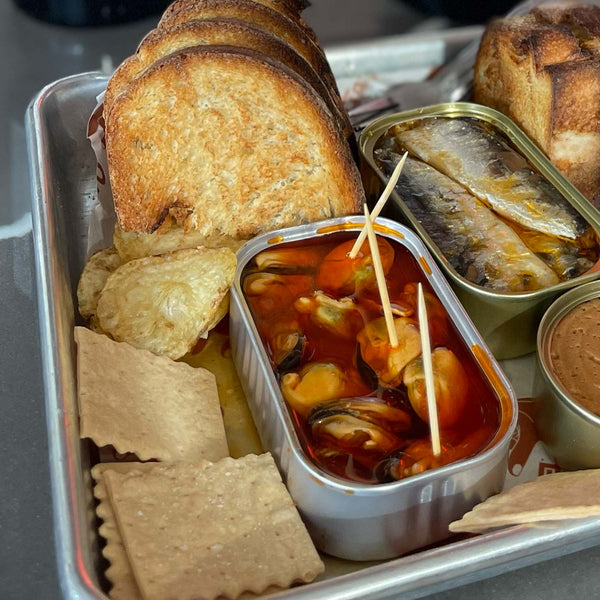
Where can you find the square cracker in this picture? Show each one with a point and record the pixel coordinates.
(205, 531)
(146, 404)
(567, 495)
(119, 572)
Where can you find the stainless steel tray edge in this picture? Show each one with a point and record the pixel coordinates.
(72, 556)
(421, 574)
(413, 576)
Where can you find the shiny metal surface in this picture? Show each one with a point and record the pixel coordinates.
(450, 83)
(60, 231)
(33, 54)
(60, 246)
(507, 321)
(346, 519)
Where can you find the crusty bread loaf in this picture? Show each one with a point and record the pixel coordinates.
(266, 17)
(543, 71)
(163, 41)
(226, 140)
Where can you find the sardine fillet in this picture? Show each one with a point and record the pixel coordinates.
(493, 172)
(478, 245)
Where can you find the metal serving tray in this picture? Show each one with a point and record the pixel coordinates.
(63, 189)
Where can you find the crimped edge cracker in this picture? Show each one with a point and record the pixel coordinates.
(119, 571)
(246, 536)
(146, 404)
(556, 496)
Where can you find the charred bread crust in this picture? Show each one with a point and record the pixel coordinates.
(584, 19)
(543, 71)
(161, 42)
(226, 140)
(268, 18)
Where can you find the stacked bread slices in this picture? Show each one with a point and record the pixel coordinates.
(227, 122)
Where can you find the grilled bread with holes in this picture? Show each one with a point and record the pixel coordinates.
(292, 9)
(296, 34)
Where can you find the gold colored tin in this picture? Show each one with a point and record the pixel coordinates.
(507, 321)
(570, 433)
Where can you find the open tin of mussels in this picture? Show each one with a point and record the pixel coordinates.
(508, 230)
(355, 456)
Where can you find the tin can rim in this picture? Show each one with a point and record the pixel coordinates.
(373, 132)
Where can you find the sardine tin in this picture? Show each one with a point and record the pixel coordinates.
(507, 321)
(570, 433)
(358, 521)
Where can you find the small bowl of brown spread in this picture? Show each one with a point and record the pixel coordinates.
(568, 382)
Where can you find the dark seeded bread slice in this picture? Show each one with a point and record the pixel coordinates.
(164, 41)
(266, 17)
(226, 140)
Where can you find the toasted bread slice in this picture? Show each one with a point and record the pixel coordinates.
(266, 17)
(164, 41)
(542, 70)
(290, 8)
(227, 141)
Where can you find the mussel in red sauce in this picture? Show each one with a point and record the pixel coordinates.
(339, 274)
(367, 424)
(451, 386)
(359, 404)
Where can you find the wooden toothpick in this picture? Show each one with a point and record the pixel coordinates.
(381, 284)
(428, 371)
(380, 204)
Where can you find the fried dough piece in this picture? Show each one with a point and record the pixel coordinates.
(132, 244)
(165, 303)
(93, 277)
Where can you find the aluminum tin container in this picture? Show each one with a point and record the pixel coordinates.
(360, 521)
(507, 321)
(570, 432)
(63, 184)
